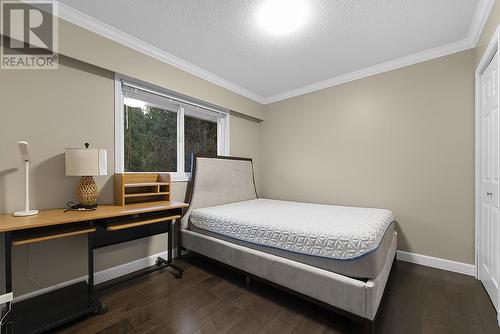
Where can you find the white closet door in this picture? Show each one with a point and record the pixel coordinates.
(489, 193)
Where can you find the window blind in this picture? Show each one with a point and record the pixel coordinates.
(165, 100)
(137, 95)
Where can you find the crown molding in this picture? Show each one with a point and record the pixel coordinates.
(375, 69)
(89, 23)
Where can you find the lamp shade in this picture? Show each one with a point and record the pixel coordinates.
(86, 162)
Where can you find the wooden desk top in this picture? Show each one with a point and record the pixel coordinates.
(45, 218)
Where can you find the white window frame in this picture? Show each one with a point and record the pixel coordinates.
(181, 175)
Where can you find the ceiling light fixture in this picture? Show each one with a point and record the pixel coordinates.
(282, 16)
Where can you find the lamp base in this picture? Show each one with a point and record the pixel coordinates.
(25, 213)
(87, 193)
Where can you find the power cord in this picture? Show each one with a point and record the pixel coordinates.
(9, 308)
(29, 271)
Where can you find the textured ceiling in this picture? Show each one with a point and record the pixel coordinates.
(341, 36)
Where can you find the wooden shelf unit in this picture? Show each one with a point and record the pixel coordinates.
(142, 187)
(146, 194)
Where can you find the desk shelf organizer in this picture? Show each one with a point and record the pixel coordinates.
(142, 187)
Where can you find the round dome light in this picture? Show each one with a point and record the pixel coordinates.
(282, 16)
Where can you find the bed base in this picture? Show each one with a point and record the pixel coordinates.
(354, 299)
(365, 325)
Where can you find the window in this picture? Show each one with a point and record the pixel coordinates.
(158, 131)
(150, 139)
(200, 136)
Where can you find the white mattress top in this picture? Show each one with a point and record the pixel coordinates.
(337, 232)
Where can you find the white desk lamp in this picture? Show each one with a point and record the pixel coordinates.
(25, 157)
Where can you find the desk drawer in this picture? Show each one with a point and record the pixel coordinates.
(137, 222)
(30, 236)
(134, 227)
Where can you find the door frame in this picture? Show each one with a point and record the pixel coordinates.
(489, 53)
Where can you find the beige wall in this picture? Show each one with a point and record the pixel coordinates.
(488, 30)
(402, 140)
(62, 108)
(245, 142)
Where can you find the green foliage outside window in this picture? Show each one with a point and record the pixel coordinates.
(150, 137)
(150, 140)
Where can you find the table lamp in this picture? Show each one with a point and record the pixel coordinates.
(87, 163)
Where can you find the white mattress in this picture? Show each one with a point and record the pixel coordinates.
(336, 232)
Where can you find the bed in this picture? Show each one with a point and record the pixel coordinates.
(336, 256)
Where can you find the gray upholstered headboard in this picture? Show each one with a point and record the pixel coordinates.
(217, 180)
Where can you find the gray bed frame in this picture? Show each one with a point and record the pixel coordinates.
(217, 180)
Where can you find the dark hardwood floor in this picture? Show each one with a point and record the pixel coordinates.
(213, 299)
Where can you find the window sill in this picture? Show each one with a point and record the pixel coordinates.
(180, 177)
(176, 177)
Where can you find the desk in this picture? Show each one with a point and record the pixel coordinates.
(107, 225)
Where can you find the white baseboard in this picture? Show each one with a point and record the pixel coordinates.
(127, 268)
(101, 276)
(112, 273)
(8, 297)
(435, 262)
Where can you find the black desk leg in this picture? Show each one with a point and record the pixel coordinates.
(90, 254)
(7, 327)
(179, 238)
(101, 308)
(169, 243)
(168, 261)
(8, 262)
